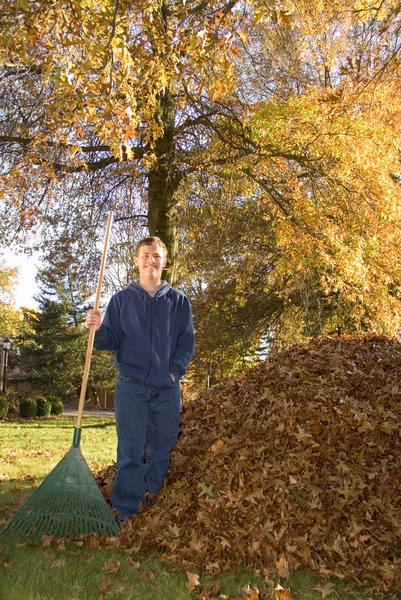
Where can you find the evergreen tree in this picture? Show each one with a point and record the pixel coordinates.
(55, 340)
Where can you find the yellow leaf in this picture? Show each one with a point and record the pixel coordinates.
(244, 36)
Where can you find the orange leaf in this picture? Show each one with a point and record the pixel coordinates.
(217, 446)
(251, 593)
(244, 36)
(282, 594)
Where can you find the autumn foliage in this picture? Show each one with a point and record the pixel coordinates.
(293, 464)
(258, 139)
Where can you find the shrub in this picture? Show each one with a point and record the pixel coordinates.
(56, 405)
(27, 407)
(12, 399)
(3, 407)
(43, 406)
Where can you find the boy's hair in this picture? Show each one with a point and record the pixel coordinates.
(151, 241)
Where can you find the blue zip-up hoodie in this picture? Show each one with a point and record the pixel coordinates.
(152, 337)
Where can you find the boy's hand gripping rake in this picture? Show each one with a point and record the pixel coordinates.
(69, 499)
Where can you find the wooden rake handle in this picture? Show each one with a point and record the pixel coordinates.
(92, 330)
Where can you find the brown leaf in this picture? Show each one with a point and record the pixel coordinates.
(134, 563)
(4, 564)
(111, 566)
(46, 540)
(94, 543)
(324, 588)
(147, 575)
(104, 586)
(273, 444)
(282, 567)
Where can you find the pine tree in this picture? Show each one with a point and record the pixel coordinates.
(55, 340)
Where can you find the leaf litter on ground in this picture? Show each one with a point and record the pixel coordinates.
(302, 458)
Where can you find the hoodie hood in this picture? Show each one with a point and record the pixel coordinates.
(134, 286)
(147, 298)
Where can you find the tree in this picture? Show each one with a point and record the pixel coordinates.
(293, 113)
(9, 315)
(316, 244)
(53, 339)
(103, 98)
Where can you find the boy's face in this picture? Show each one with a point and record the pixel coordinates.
(150, 260)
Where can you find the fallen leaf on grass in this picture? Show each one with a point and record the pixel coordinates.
(324, 588)
(19, 501)
(111, 566)
(146, 575)
(133, 563)
(46, 540)
(193, 581)
(59, 564)
(210, 591)
(94, 543)
(119, 591)
(4, 564)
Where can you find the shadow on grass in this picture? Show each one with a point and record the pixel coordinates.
(63, 423)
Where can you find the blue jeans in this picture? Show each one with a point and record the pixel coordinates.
(147, 421)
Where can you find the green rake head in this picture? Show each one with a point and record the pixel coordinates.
(67, 501)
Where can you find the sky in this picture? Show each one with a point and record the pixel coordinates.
(26, 285)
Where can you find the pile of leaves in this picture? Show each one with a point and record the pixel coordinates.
(294, 464)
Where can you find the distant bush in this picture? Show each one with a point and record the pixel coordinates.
(56, 405)
(12, 398)
(43, 406)
(3, 407)
(27, 407)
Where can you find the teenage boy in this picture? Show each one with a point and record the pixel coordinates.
(149, 326)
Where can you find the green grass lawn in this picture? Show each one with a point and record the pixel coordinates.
(93, 568)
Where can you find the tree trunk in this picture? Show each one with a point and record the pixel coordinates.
(163, 181)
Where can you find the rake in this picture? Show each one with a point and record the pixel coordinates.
(69, 499)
